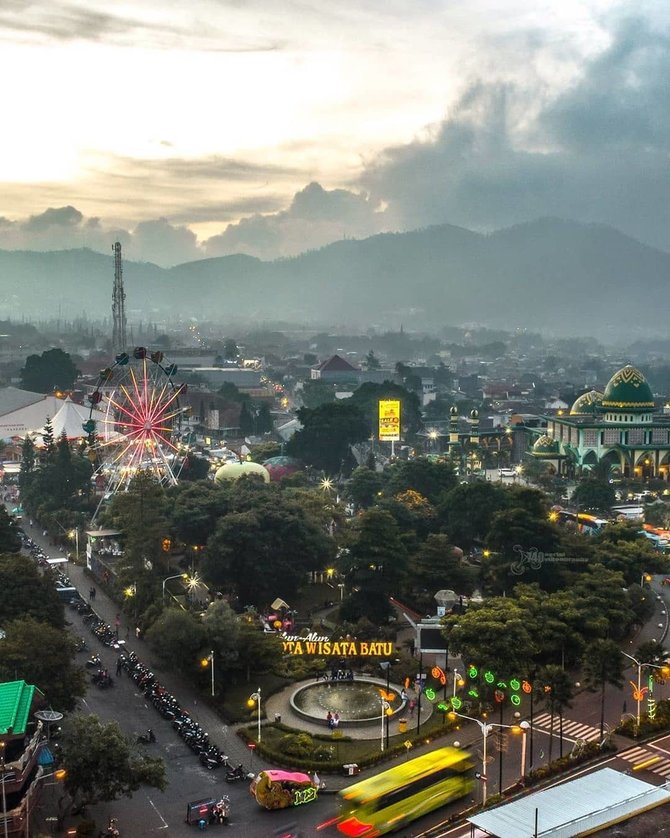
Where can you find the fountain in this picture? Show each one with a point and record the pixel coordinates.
(356, 702)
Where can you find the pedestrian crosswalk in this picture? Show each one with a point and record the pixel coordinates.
(572, 731)
(647, 759)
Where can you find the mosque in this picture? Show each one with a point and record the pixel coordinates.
(620, 427)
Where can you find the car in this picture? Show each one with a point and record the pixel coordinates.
(506, 472)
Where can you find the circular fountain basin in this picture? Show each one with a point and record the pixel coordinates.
(356, 702)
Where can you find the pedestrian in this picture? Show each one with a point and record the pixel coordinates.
(412, 706)
(127, 632)
(138, 632)
(336, 720)
(91, 593)
(119, 665)
(329, 720)
(403, 694)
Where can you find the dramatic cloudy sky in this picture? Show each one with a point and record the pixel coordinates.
(195, 129)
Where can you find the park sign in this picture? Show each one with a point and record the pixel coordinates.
(389, 420)
(314, 644)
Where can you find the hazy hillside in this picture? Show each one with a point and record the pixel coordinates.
(549, 274)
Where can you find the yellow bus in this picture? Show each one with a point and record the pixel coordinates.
(394, 798)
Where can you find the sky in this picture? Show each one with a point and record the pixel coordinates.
(270, 127)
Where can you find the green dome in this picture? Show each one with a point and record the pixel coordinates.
(545, 446)
(628, 390)
(586, 403)
(233, 471)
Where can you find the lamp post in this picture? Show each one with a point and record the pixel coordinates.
(60, 774)
(255, 698)
(176, 576)
(386, 708)
(485, 729)
(525, 727)
(4, 798)
(211, 657)
(74, 533)
(645, 577)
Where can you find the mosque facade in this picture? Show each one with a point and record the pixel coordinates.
(620, 427)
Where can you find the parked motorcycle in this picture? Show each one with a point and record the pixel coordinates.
(147, 738)
(94, 662)
(237, 773)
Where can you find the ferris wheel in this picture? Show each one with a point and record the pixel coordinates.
(135, 421)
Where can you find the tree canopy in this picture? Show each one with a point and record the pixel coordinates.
(42, 655)
(101, 764)
(26, 593)
(52, 370)
(327, 434)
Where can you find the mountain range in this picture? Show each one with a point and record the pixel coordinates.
(548, 275)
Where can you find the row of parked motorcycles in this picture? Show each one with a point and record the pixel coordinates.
(195, 737)
(35, 551)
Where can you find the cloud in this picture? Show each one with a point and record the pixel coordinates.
(595, 151)
(50, 218)
(315, 217)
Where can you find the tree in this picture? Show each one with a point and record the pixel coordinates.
(632, 558)
(222, 629)
(554, 685)
(140, 513)
(177, 637)
(266, 545)
(42, 655)
(257, 651)
(194, 468)
(10, 542)
(193, 509)
(26, 593)
(376, 559)
(653, 652)
(246, 420)
(467, 510)
(371, 361)
(49, 449)
(431, 479)
(52, 370)
(438, 565)
(494, 635)
(594, 495)
(327, 434)
(230, 350)
(602, 664)
(264, 424)
(315, 393)
(364, 487)
(101, 765)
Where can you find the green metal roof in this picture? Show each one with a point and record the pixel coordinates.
(628, 390)
(16, 698)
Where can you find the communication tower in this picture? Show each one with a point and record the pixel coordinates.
(118, 304)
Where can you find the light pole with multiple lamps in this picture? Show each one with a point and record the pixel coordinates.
(255, 699)
(486, 728)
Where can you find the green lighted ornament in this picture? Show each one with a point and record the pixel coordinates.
(430, 694)
(515, 685)
(456, 703)
(473, 672)
(489, 677)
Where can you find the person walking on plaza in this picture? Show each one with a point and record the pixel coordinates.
(119, 666)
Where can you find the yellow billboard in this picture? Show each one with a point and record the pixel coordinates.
(389, 420)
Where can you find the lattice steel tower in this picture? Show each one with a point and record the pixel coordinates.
(118, 304)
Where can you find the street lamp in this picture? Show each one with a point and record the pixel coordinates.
(205, 662)
(60, 774)
(176, 576)
(255, 699)
(386, 712)
(525, 727)
(485, 729)
(74, 534)
(645, 577)
(458, 681)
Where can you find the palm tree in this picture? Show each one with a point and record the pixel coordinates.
(602, 664)
(555, 688)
